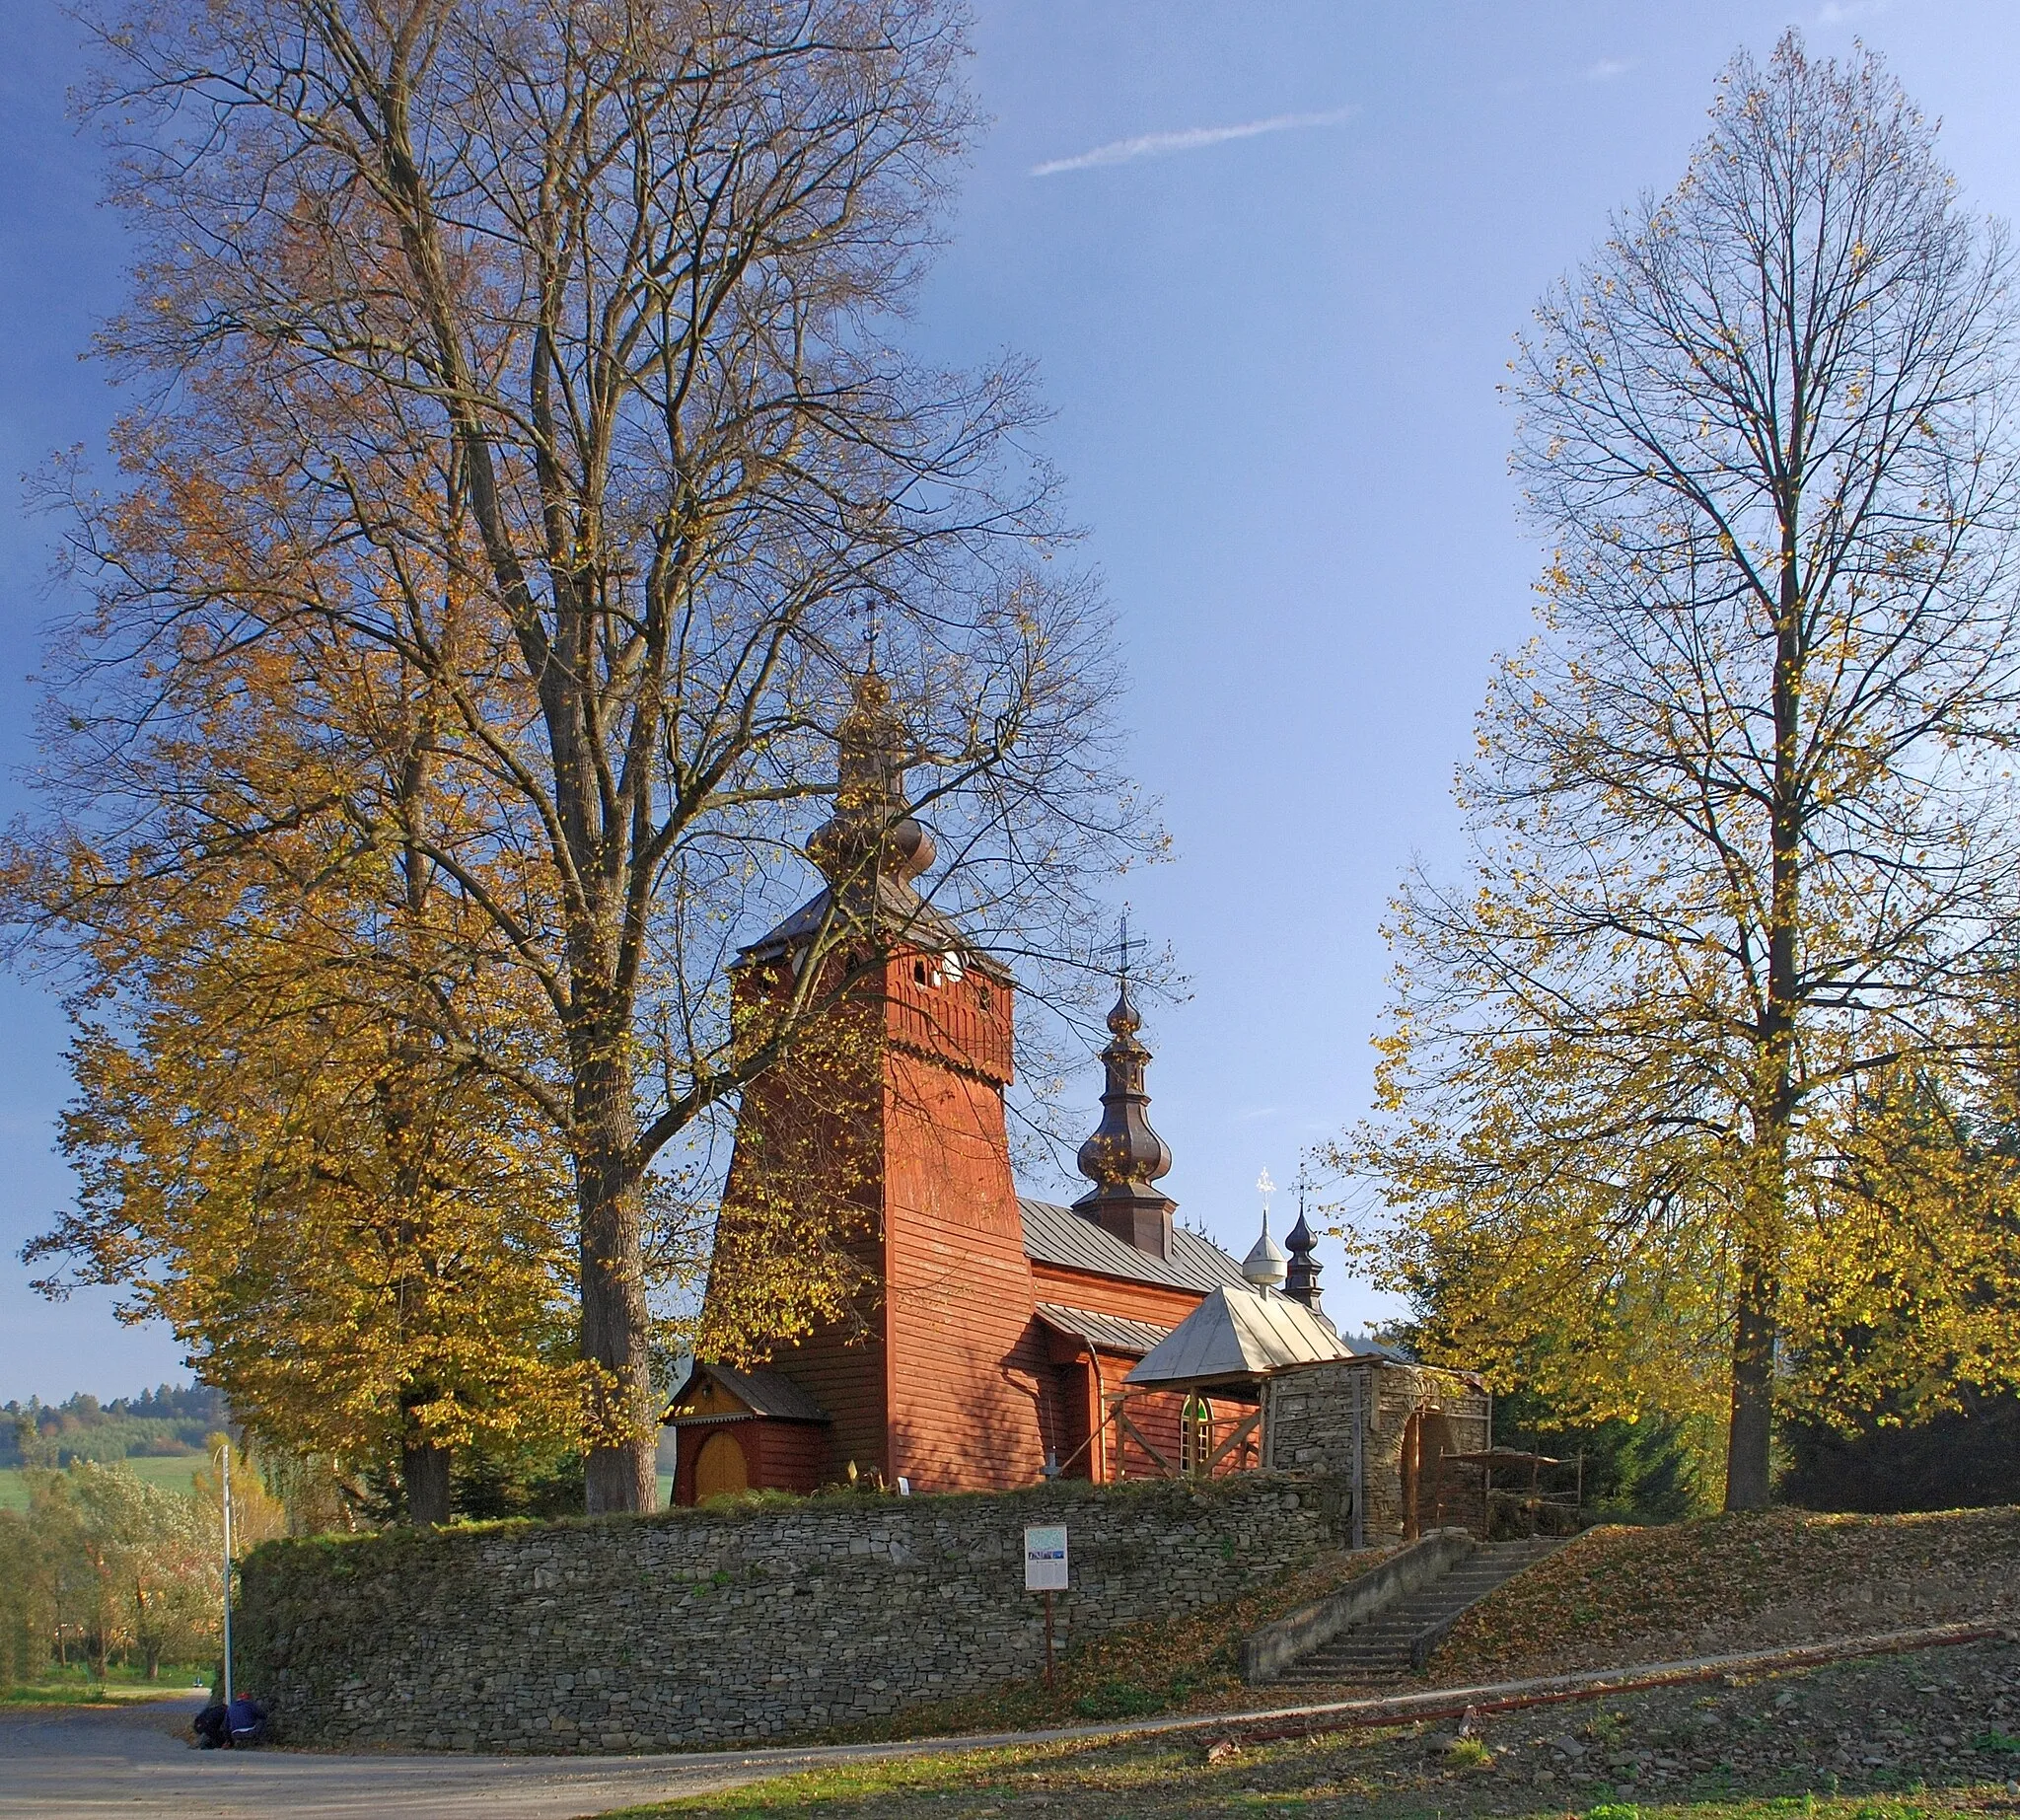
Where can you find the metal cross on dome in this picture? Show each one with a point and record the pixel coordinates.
(1265, 1188)
(1124, 946)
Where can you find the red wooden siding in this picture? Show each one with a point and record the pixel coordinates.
(944, 1377)
(968, 1369)
(1134, 1301)
(841, 1363)
(964, 1023)
(792, 1456)
(785, 1456)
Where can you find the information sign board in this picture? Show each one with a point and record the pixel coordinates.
(1045, 1558)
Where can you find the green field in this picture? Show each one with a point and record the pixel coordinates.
(175, 1471)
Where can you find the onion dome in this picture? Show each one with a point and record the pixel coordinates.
(870, 833)
(1264, 1267)
(1124, 1156)
(1301, 1280)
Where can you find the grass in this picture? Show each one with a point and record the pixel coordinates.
(1614, 1593)
(1773, 1754)
(117, 1694)
(175, 1472)
(122, 1686)
(1173, 1783)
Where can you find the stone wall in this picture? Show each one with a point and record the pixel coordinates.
(1308, 1426)
(725, 1624)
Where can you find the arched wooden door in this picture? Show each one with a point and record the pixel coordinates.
(720, 1467)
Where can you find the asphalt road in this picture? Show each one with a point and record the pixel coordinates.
(136, 1761)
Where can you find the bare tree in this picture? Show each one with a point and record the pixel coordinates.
(519, 382)
(1738, 834)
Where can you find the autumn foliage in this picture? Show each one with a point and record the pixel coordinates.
(521, 458)
(1694, 1094)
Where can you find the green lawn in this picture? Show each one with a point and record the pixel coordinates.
(179, 1470)
(175, 1684)
(175, 1471)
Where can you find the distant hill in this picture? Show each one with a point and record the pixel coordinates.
(169, 1421)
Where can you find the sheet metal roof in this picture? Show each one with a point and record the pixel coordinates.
(1060, 1236)
(1239, 1333)
(1111, 1333)
(904, 913)
(763, 1393)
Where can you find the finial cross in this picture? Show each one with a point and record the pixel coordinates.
(1124, 946)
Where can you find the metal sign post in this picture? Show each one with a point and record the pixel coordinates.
(1044, 1570)
(227, 1456)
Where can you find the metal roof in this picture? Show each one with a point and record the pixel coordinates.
(903, 914)
(1060, 1236)
(763, 1393)
(1111, 1333)
(1239, 1333)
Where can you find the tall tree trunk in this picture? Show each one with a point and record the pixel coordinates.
(1748, 1447)
(424, 1477)
(424, 1464)
(1749, 1441)
(621, 1472)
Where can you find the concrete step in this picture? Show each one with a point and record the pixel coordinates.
(1394, 1642)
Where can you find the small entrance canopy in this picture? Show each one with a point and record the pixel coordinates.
(719, 1393)
(739, 1430)
(1237, 1335)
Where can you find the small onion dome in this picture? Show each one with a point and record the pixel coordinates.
(1123, 1151)
(1265, 1265)
(869, 828)
(1302, 1281)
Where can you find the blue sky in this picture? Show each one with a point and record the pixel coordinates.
(1269, 260)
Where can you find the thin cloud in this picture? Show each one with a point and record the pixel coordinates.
(1606, 68)
(1191, 139)
(1848, 12)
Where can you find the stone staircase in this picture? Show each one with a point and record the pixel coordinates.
(1399, 1638)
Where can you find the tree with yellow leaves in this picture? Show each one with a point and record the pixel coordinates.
(522, 384)
(363, 1239)
(1742, 847)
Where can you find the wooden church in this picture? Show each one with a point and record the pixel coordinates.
(991, 1340)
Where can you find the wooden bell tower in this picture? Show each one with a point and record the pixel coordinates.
(933, 1377)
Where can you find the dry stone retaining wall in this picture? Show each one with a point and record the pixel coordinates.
(714, 1625)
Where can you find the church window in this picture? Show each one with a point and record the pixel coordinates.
(984, 1000)
(1195, 1437)
(918, 973)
